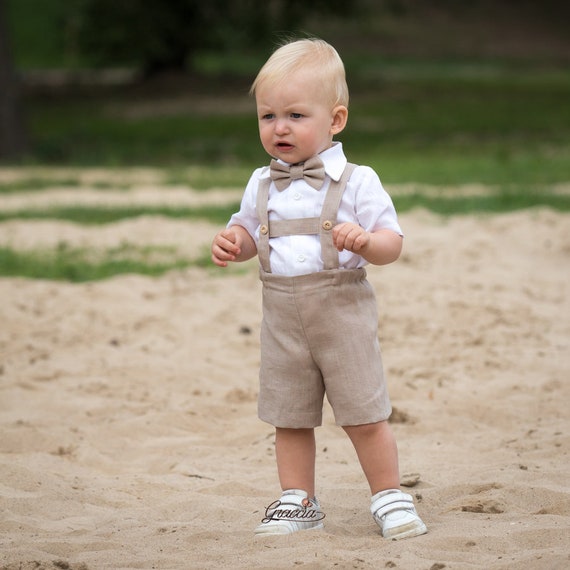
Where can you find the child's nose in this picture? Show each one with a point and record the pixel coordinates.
(281, 126)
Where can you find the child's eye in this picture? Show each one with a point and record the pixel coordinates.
(296, 115)
(268, 116)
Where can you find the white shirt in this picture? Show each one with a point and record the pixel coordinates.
(364, 202)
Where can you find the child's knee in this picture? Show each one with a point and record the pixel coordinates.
(366, 431)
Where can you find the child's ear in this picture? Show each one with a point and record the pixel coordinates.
(339, 119)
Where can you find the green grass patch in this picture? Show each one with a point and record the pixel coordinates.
(96, 215)
(424, 122)
(38, 184)
(494, 201)
(456, 131)
(81, 133)
(33, 184)
(80, 265)
(426, 118)
(207, 177)
(500, 201)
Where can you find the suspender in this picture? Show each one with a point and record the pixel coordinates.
(321, 226)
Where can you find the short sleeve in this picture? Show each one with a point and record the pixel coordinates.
(373, 206)
(247, 214)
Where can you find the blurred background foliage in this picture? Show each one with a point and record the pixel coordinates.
(157, 35)
(442, 91)
(151, 35)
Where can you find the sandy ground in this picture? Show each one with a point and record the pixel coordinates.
(128, 429)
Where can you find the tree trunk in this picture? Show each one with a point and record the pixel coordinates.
(13, 136)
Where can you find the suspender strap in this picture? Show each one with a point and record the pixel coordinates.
(329, 213)
(302, 226)
(296, 227)
(262, 214)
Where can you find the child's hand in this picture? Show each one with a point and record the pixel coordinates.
(226, 246)
(350, 236)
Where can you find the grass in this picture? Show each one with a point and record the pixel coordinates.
(441, 131)
(36, 184)
(494, 201)
(79, 265)
(195, 177)
(96, 215)
(426, 118)
(500, 201)
(453, 130)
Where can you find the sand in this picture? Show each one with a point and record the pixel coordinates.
(128, 429)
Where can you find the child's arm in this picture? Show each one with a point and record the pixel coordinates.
(232, 244)
(379, 248)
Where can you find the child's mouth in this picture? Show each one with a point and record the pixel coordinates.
(284, 146)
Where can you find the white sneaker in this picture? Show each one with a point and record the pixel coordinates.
(396, 515)
(293, 512)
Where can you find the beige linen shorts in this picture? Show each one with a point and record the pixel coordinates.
(320, 335)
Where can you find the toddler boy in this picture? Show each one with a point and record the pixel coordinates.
(314, 221)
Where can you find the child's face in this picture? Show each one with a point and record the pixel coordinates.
(295, 122)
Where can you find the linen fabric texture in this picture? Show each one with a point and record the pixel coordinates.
(320, 334)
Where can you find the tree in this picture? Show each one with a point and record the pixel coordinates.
(159, 36)
(13, 136)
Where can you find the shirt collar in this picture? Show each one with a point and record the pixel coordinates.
(333, 158)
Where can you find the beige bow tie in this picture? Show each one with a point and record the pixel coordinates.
(312, 171)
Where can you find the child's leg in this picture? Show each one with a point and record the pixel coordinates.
(295, 453)
(297, 509)
(377, 452)
(393, 510)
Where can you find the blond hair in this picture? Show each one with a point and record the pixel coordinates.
(311, 53)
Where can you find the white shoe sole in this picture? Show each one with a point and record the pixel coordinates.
(415, 528)
(281, 529)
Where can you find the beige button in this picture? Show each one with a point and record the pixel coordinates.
(263, 229)
(327, 225)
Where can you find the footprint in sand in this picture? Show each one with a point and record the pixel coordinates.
(481, 499)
